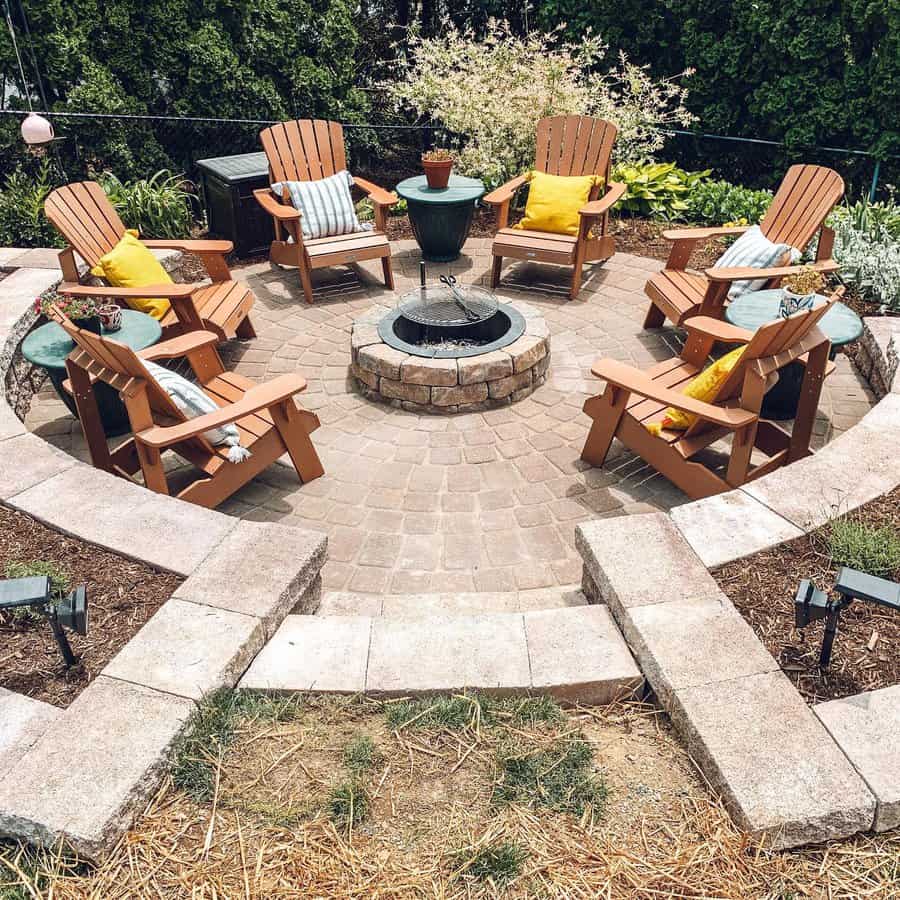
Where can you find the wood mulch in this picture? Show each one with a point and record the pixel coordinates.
(122, 596)
(866, 653)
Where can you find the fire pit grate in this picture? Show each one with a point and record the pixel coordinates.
(447, 305)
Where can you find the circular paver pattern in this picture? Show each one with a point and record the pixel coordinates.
(484, 501)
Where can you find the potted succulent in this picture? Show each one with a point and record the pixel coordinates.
(437, 163)
(799, 290)
(81, 310)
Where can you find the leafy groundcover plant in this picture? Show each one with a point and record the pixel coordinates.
(489, 94)
(159, 206)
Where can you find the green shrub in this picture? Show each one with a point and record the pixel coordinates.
(158, 207)
(22, 219)
(658, 190)
(871, 549)
(718, 202)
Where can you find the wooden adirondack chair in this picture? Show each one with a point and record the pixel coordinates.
(803, 201)
(566, 145)
(633, 399)
(306, 150)
(269, 422)
(87, 220)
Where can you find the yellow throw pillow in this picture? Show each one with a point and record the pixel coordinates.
(131, 264)
(554, 200)
(703, 387)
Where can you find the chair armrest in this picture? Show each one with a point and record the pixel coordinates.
(702, 234)
(179, 346)
(261, 397)
(165, 291)
(274, 207)
(825, 266)
(505, 192)
(630, 379)
(190, 246)
(378, 195)
(717, 329)
(612, 196)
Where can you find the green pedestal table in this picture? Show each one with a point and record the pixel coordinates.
(441, 217)
(49, 345)
(757, 308)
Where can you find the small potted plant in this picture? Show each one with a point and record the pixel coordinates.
(437, 163)
(799, 290)
(81, 310)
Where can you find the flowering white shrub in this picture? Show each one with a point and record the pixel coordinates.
(489, 94)
(866, 245)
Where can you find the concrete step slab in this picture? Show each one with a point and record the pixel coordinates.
(777, 769)
(576, 654)
(22, 721)
(341, 603)
(867, 728)
(89, 796)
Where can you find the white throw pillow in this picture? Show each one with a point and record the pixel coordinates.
(191, 400)
(326, 205)
(754, 250)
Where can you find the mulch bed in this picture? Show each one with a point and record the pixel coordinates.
(122, 596)
(763, 588)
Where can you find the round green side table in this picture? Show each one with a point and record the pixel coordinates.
(750, 311)
(441, 217)
(49, 345)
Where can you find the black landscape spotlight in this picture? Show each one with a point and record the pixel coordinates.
(70, 612)
(811, 604)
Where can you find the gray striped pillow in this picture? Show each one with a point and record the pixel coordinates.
(754, 250)
(326, 205)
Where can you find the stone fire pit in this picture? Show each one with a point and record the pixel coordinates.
(442, 385)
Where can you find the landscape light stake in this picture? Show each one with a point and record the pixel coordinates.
(811, 604)
(70, 612)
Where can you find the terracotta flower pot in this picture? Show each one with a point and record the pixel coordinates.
(437, 173)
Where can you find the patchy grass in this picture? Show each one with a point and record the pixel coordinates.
(868, 548)
(361, 754)
(59, 584)
(496, 863)
(470, 711)
(561, 778)
(348, 804)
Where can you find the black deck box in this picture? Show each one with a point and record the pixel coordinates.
(227, 184)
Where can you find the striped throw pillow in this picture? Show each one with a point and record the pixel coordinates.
(754, 250)
(193, 402)
(326, 205)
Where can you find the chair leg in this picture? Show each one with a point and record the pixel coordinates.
(306, 282)
(575, 287)
(245, 330)
(606, 411)
(388, 272)
(89, 416)
(297, 441)
(495, 271)
(655, 317)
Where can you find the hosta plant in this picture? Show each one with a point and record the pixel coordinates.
(488, 94)
(721, 202)
(658, 190)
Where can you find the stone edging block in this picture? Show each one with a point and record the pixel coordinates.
(22, 721)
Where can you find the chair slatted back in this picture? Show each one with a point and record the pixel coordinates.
(83, 215)
(805, 198)
(770, 341)
(304, 149)
(117, 364)
(574, 145)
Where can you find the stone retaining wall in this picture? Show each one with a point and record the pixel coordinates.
(789, 773)
(81, 774)
(469, 384)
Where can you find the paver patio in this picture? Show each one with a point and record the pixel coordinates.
(468, 502)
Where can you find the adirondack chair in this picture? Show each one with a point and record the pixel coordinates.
(632, 399)
(803, 201)
(87, 220)
(566, 145)
(306, 150)
(269, 422)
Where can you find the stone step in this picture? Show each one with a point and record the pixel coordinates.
(576, 654)
(347, 603)
(22, 721)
